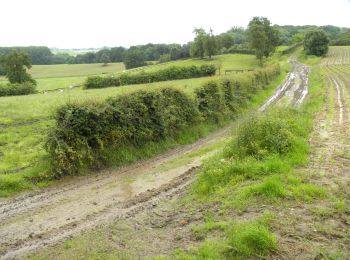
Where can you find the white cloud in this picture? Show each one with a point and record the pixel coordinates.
(92, 23)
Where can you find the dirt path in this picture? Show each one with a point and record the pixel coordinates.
(293, 90)
(39, 219)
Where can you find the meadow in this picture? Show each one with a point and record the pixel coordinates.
(25, 120)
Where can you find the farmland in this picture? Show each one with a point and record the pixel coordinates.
(298, 185)
(26, 119)
(293, 212)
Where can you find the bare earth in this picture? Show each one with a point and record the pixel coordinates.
(39, 219)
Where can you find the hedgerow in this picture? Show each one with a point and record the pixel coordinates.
(17, 89)
(170, 73)
(86, 133)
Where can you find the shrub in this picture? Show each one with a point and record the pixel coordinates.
(211, 101)
(263, 135)
(17, 89)
(291, 48)
(316, 43)
(85, 131)
(233, 50)
(170, 73)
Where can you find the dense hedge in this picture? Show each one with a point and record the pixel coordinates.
(170, 73)
(9, 89)
(291, 48)
(84, 130)
(233, 50)
(87, 133)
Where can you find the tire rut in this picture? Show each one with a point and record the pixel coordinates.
(293, 90)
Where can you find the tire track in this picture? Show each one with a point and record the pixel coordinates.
(340, 102)
(293, 90)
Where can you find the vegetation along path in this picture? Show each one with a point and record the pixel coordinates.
(40, 219)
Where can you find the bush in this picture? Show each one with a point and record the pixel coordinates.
(263, 135)
(291, 48)
(316, 43)
(17, 89)
(85, 131)
(170, 73)
(211, 101)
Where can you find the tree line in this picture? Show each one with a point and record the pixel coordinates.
(235, 40)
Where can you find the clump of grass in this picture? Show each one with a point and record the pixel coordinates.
(308, 192)
(251, 239)
(200, 231)
(10, 184)
(340, 206)
(242, 240)
(264, 145)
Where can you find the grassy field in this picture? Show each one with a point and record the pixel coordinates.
(50, 77)
(73, 70)
(24, 120)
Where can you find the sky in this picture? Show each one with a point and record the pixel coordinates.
(98, 23)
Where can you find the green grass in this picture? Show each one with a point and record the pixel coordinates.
(73, 70)
(241, 240)
(57, 83)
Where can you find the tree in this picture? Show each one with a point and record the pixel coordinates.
(15, 65)
(316, 43)
(198, 46)
(134, 58)
(117, 54)
(262, 37)
(210, 44)
(104, 59)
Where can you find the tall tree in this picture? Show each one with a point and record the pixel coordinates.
(316, 43)
(104, 59)
(15, 65)
(198, 46)
(210, 44)
(262, 37)
(134, 58)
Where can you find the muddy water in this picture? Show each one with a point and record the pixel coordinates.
(293, 90)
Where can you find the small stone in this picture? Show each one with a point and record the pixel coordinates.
(183, 222)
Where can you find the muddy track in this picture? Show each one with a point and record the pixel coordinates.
(293, 90)
(74, 205)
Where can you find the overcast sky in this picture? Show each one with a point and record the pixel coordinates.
(97, 23)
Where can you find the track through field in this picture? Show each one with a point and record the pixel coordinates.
(43, 218)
